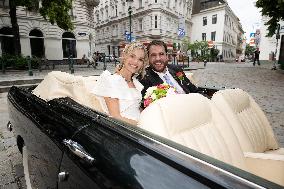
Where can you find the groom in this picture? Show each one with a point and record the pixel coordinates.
(160, 71)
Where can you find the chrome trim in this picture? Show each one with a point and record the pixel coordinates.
(78, 150)
(254, 185)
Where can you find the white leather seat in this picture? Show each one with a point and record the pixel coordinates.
(253, 131)
(249, 122)
(61, 84)
(192, 120)
(195, 122)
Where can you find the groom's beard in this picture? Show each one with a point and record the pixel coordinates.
(159, 66)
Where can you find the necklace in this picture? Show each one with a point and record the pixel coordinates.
(127, 80)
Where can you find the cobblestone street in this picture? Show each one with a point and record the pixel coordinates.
(266, 86)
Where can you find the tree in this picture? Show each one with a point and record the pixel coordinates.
(214, 53)
(249, 50)
(55, 11)
(274, 9)
(199, 50)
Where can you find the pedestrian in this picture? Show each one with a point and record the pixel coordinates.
(256, 57)
(205, 62)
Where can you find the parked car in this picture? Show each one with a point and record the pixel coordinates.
(68, 145)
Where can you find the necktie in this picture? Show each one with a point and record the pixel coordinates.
(168, 80)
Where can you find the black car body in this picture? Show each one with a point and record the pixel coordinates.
(70, 146)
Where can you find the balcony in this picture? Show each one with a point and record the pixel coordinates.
(155, 33)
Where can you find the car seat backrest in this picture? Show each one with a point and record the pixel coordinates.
(247, 119)
(60, 84)
(193, 121)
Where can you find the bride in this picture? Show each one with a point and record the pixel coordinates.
(122, 91)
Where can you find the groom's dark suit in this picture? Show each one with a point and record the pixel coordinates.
(152, 79)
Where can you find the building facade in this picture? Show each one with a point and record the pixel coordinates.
(268, 45)
(151, 19)
(214, 20)
(41, 39)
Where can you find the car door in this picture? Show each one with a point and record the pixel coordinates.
(118, 162)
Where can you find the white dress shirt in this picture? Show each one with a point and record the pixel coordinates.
(173, 81)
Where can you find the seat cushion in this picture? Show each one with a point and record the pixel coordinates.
(247, 119)
(197, 125)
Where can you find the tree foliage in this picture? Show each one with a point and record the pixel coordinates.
(199, 50)
(55, 11)
(249, 50)
(274, 9)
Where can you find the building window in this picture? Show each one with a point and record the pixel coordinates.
(4, 3)
(106, 12)
(203, 36)
(98, 18)
(168, 4)
(156, 1)
(6, 41)
(124, 27)
(213, 36)
(204, 21)
(140, 3)
(115, 10)
(123, 7)
(214, 19)
(156, 21)
(102, 15)
(37, 43)
(69, 45)
(140, 24)
(168, 24)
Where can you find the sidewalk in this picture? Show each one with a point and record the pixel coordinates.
(11, 75)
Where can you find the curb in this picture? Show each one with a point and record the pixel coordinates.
(4, 89)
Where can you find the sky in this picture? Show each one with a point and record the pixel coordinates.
(248, 14)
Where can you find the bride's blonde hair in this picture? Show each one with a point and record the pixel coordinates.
(129, 48)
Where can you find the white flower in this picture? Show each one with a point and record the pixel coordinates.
(171, 91)
(153, 96)
(149, 92)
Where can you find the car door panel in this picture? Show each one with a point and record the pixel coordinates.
(119, 163)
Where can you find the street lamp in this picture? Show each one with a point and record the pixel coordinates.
(130, 13)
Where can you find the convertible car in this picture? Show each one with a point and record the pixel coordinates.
(182, 141)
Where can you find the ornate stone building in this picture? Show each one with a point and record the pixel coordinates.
(42, 39)
(151, 19)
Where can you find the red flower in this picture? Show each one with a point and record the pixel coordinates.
(180, 75)
(147, 102)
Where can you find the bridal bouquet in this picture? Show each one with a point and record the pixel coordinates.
(157, 92)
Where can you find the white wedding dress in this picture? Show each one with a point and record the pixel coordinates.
(115, 86)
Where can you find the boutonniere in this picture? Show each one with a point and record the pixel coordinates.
(180, 76)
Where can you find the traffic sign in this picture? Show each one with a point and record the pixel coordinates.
(252, 35)
(252, 42)
(210, 44)
(181, 32)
